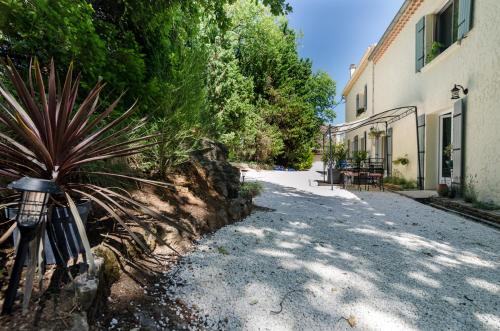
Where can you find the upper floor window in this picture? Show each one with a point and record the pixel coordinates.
(361, 102)
(436, 32)
(447, 26)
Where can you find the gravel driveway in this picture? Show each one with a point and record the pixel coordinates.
(335, 260)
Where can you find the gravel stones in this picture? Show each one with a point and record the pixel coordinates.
(322, 258)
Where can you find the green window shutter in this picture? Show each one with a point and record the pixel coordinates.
(458, 135)
(420, 45)
(430, 35)
(464, 18)
(366, 97)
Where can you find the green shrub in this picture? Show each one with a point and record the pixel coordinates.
(250, 189)
(360, 156)
(485, 205)
(470, 194)
(401, 181)
(305, 161)
(410, 185)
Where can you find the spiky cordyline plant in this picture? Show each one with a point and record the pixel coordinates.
(46, 134)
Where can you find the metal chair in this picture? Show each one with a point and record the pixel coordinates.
(376, 172)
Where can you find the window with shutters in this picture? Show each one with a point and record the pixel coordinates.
(360, 103)
(437, 32)
(447, 25)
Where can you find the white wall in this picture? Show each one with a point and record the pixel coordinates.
(365, 78)
(474, 63)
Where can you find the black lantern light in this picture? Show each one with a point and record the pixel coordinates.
(32, 212)
(455, 91)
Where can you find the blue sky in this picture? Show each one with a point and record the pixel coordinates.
(336, 33)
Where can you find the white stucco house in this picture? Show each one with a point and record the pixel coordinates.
(431, 48)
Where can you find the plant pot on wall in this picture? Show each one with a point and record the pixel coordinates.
(69, 241)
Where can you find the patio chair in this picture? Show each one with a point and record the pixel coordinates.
(376, 172)
(355, 174)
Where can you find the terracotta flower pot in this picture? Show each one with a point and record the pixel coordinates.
(443, 190)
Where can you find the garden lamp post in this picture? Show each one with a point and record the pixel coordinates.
(243, 173)
(32, 213)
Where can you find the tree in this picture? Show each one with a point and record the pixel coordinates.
(287, 100)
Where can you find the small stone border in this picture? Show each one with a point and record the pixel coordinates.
(458, 208)
(466, 211)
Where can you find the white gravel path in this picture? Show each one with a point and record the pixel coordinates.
(386, 261)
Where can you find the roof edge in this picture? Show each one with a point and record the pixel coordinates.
(407, 10)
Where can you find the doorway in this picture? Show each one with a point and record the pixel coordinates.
(445, 148)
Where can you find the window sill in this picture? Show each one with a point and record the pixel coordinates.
(441, 57)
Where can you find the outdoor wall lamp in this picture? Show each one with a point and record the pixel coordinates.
(32, 213)
(455, 91)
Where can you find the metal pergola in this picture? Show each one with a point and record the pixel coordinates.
(384, 118)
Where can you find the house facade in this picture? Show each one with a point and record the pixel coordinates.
(431, 48)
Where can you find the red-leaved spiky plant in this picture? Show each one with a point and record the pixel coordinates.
(46, 133)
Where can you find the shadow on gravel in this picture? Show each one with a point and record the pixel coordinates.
(400, 262)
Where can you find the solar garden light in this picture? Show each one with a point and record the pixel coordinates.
(243, 173)
(35, 194)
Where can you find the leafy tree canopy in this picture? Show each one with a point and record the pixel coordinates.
(228, 69)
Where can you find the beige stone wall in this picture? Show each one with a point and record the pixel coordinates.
(473, 63)
(365, 78)
(350, 107)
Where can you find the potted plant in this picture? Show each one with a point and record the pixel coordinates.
(448, 153)
(47, 133)
(443, 190)
(375, 133)
(402, 160)
(339, 154)
(435, 50)
(359, 156)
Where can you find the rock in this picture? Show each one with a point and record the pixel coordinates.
(80, 322)
(220, 174)
(86, 286)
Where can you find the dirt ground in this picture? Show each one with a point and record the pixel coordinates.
(204, 198)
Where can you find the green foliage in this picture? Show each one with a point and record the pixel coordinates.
(251, 189)
(470, 194)
(402, 160)
(401, 181)
(448, 151)
(225, 69)
(485, 205)
(434, 51)
(339, 154)
(359, 156)
(222, 250)
(265, 103)
(321, 91)
(375, 133)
